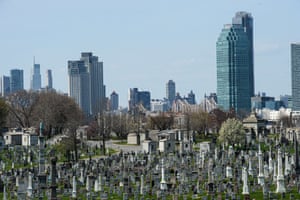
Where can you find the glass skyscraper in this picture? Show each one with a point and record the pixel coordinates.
(16, 80)
(114, 101)
(170, 91)
(49, 81)
(245, 19)
(295, 64)
(36, 82)
(234, 70)
(86, 83)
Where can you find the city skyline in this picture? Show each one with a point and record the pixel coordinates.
(140, 42)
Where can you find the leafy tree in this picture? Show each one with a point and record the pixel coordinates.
(232, 132)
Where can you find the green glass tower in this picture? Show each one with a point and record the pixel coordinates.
(234, 69)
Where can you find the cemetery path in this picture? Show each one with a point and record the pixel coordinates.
(118, 147)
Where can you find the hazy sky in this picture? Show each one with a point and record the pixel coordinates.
(145, 43)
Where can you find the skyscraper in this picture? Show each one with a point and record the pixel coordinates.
(86, 83)
(16, 80)
(234, 85)
(5, 85)
(245, 19)
(170, 91)
(295, 63)
(35, 82)
(97, 88)
(49, 81)
(79, 88)
(114, 101)
(137, 97)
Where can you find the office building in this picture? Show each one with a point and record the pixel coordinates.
(79, 88)
(49, 80)
(158, 105)
(235, 82)
(114, 101)
(5, 85)
(191, 98)
(170, 91)
(245, 19)
(261, 101)
(16, 80)
(295, 64)
(86, 83)
(139, 98)
(35, 82)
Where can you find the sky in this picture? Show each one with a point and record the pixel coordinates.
(143, 43)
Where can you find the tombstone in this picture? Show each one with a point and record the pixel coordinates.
(260, 177)
(250, 170)
(228, 172)
(280, 179)
(287, 166)
(245, 182)
(163, 183)
(53, 178)
(29, 187)
(74, 192)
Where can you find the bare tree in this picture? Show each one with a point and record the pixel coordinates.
(200, 121)
(3, 112)
(163, 121)
(21, 108)
(121, 125)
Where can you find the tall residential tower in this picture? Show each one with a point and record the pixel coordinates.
(86, 83)
(170, 91)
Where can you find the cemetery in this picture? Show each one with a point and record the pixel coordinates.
(170, 164)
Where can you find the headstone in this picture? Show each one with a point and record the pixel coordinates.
(29, 187)
(245, 182)
(280, 179)
(260, 177)
(74, 192)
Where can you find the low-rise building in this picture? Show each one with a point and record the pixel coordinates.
(23, 137)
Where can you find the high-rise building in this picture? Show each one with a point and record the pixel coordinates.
(86, 83)
(35, 82)
(49, 80)
(79, 88)
(295, 63)
(95, 69)
(191, 98)
(170, 91)
(137, 98)
(5, 85)
(245, 19)
(16, 80)
(235, 79)
(114, 101)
